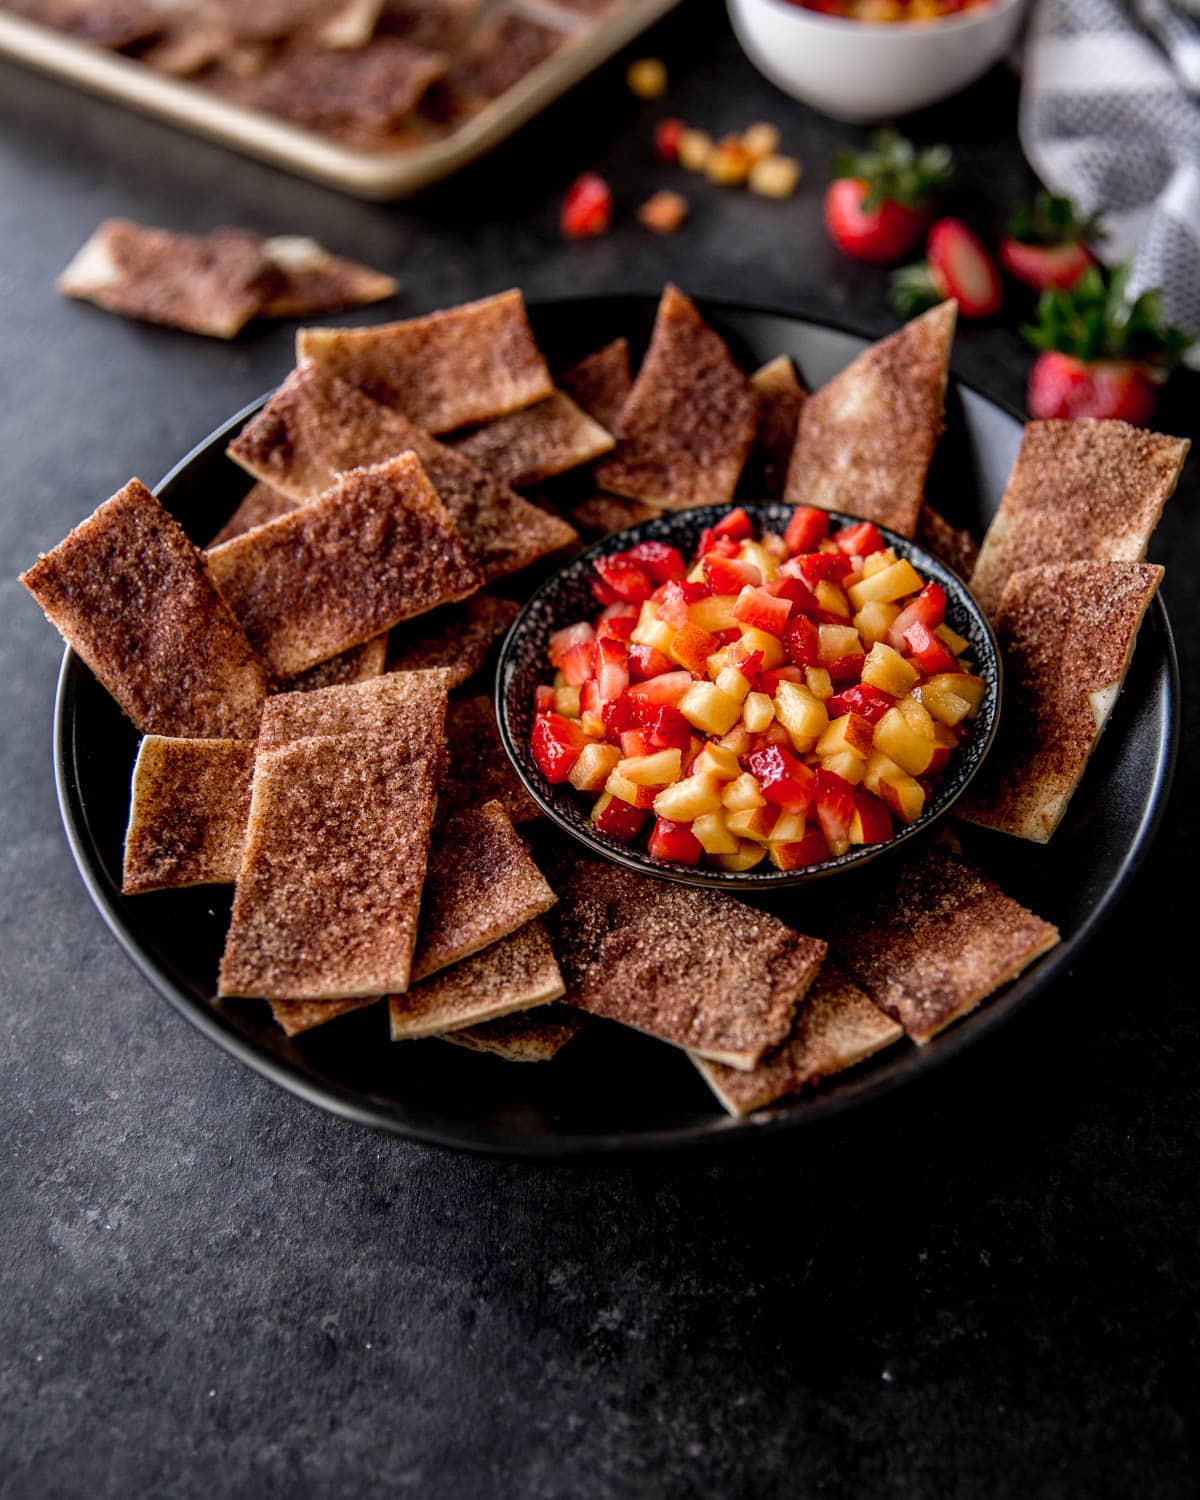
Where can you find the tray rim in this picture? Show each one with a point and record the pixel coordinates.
(723, 1129)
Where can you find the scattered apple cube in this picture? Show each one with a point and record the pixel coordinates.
(770, 645)
(851, 732)
(819, 682)
(894, 786)
(710, 710)
(734, 682)
(689, 799)
(715, 760)
(713, 613)
(893, 582)
(887, 670)
(774, 176)
(801, 714)
(757, 712)
(596, 762)
(874, 620)
(713, 834)
(836, 641)
(629, 791)
(752, 823)
(743, 793)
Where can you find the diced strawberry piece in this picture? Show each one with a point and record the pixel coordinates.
(562, 640)
(801, 642)
(718, 546)
(636, 742)
(773, 734)
(847, 669)
(662, 561)
(785, 781)
(587, 209)
(620, 611)
(543, 699)
(729, 575)
(612, 669)
(749, 663)
(726, 637)
(692, 647)
(618, 819)
(618, 628)
(928, 651)
(736, 524)
(666, 688)
(831, 566)
(874, 819)
(666, 139)
(794, 590)
(770, 680)
(602, 593)
(591, 709)
(579, 663)
(674, 599)
(676, 842)
(647, 661)
(627, 580)
(669, 730)
(618, 715)
(860, 540)
(835, 808)
(806, 529)
(867, 702)
(556, 743)
(761, 611)
(810, 850)
(929, 607)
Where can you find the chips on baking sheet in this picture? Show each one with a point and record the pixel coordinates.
(311, 280)
(261, 503)
(690, 418)
(330, 882)
(131, 594)
(359, 664)
(480, 885)
(1086, 491)
(212, 286)
(601, 382)
(692, 967)
(316, 425)
(468, 364)
(865, 439)
(513, 975)
(187, 814)
(457, 637)
(377, 548)
(109, 23)
(933, 937)
(836, 1027)
(502, 51)
(298, 1016)
(1067, 633)
(603, 514)
(330, 23)
(408, 708)
(954, 546)
(439, 25)
(537, 443)
(780, 398)
(478, 769)
(537, 1035)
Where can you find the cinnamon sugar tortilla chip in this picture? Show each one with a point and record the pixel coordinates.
(330, 23)
(298, 1016)
(478, 769)
(457, 637)
(933, 938)
(187, 814)
(865, 439)
(524, 1036)
(212, 286)
(468, 364)
(1067, 633)
(692, 967)
(115, 24)
(537, 443)
(601, 382)
(513, 975)
(480, 885)
(780, 399)
(439, 25)
(131, 594)
(405, 708)
(604, 514)
(261, 503)
(359, 664)
(311, 280)
(330, 881)
(1086, 491)
(316, 426)
(499, 54)
(956, 547)
(690, 418)
(377, 548)
(836, 1027)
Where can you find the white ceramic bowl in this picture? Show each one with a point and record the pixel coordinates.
(860, 71)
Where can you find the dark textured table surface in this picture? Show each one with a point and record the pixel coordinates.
(986, 1286)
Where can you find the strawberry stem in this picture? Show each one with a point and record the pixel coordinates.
(1098, 319)
(895, 171)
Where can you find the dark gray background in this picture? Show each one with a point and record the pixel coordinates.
(986, 1286)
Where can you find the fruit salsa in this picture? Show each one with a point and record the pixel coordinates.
(890, 10)
(781, 698)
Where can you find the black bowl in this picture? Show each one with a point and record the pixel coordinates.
(567, 597)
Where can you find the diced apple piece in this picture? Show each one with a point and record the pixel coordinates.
(957, 643)
(714, 835)
(710, 710)
(917, 717)
(757, 712)
(738, 738)
(732, 680)
(871, 823)
(748, 855)
(819, 682)
(756, 553)
(629, 791)
(713, 613)
(897, 739)
(874, 620)
(596, 763)
(887, 670)
(689, 799)
(801, 714)
(692, 647)
(770, 646)
(831, 598)
(850, 733)
(951, 696)
(718, 661)
(715, 760)
(846, 764)
(752, 823)
(877, 561)
(893, 582)
(566, 702)
(894, 786)
(651, 631)
(837, 641)
(743, 793)
(788, 828)
(659, 769)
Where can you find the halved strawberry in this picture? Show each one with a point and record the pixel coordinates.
(1065, 387)
(1042, 266)
(556, 744)
(880, 200)
(1047, 244)
(676, 842)
(662, 561)
(784, 781)
(807, 528)
(956, 265)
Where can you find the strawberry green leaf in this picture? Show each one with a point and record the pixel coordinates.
(914, 290)
(1050, 220)
(1098, 319)
(896, 171)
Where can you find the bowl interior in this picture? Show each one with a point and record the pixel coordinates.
(566, 597)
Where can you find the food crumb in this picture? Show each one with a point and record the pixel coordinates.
(647, 78)
(664, 213)
(775, 176)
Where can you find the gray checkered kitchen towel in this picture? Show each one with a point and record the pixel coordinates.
(1110, 116)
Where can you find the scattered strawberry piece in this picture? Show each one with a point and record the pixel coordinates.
(847, 669)
(867, 702)
(675, 597)
(570, 635)
(579, 663)
(666, 140)
(665, 212)
(647, 661)
(636, 742)
(785, 781)
(612, 669)
(618, 819)
(669, 730)
(736, 524)
(768, 681)
(880, 200)
(666, 688)
(629, 582)
(872, 823)
(675, 841)
(1047, 245)
(929, 653)
(835, 809)
(929, 607)
(860, 540)
(729, 575)
(810, 850)
(801, 642)
(957, 265)
(807, 529)
(557, 743)
(830, 566)
(587, 209)
(662, 561)
(760, 610)
(543, 699)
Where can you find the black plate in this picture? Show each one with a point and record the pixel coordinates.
(435, 1093)
(566, 597)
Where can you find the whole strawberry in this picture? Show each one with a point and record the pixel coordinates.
(880, 201)
(1104, 353)
(1047, 243)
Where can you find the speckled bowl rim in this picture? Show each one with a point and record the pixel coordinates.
(543, 612)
